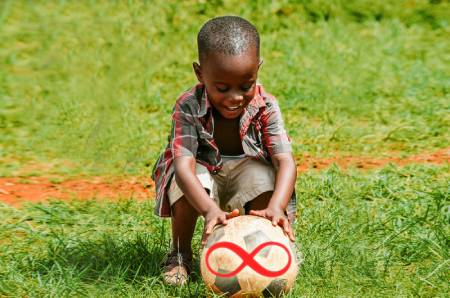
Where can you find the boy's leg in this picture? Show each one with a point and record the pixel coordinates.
(184, 216)
(184, 219)
(251, 186)
(178, 263)
(259, 203)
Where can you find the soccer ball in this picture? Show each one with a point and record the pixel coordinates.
(249, 257)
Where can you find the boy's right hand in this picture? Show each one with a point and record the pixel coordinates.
(214, 217)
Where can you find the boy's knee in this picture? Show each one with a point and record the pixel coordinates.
(182, 207)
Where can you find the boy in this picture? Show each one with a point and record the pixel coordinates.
(228, 153)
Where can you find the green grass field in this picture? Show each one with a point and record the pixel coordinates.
(88, 87)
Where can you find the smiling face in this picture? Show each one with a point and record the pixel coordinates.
(230, 80)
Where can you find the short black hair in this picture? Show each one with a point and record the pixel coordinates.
(231, 35)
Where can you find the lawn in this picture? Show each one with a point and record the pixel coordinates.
(379, 234)
(87, 88)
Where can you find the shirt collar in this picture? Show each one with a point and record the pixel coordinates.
(205, 105)
(258, 100)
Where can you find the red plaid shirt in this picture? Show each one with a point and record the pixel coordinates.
(261, 130)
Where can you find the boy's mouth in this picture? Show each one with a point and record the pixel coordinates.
(234, 108)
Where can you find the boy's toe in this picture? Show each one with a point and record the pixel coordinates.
(176, 276)
(176, 269)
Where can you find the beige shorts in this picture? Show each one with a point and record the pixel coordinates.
(239, 181)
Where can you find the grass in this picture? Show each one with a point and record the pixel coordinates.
(94, 83)
(383, 234)
(87, 88)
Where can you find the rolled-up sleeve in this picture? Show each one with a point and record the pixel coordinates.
(274, 135)
(184, 133)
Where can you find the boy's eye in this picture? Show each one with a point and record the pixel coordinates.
(222, 88)
(247, 87)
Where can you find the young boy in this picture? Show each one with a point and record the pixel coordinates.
(228, 153)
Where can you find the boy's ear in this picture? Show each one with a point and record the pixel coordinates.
(198, 71)
(261, 61)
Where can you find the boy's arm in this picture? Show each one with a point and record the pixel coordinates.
(278, 145)
(184, 145)
(286, 174)
(197, 196)
(191, 186)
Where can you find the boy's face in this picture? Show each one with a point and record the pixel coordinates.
(229, 80)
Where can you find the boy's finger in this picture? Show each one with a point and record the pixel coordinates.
(274, 221)
(256, 213)
(204, 238)
(209, 227)
(222, 220)
(285, 225)
(291, 235)
(288, 230)
(233, 213)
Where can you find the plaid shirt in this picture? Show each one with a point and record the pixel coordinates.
(260, 127)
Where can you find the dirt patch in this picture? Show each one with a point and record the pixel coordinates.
(307, 162)
(17, 190)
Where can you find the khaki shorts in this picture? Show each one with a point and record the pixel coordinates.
(239, 181)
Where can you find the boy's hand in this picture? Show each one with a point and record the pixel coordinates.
(277, 216)
(214, 217)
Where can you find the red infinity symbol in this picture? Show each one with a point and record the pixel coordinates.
(248, 259)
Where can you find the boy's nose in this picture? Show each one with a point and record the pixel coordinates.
(237, 97)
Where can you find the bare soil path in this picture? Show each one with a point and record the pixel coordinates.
(15, 191)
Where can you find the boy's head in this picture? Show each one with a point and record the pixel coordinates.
(228, 50)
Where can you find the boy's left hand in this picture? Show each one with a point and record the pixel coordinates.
(277, 216)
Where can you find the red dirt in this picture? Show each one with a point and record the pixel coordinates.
(306, 162)
(15, 191)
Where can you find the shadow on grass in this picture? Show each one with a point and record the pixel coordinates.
(105, 258)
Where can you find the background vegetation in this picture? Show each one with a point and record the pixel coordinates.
(88, 87)
(94, 82)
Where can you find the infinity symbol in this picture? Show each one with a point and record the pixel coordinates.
(248, 259)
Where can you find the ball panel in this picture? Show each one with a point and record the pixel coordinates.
(251, 282)
(275, 288)
(254, 239)
(218, 233)
(229, 285)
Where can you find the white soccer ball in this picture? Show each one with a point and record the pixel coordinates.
(273, 267)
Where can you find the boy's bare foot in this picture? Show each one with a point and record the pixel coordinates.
(177, 268)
